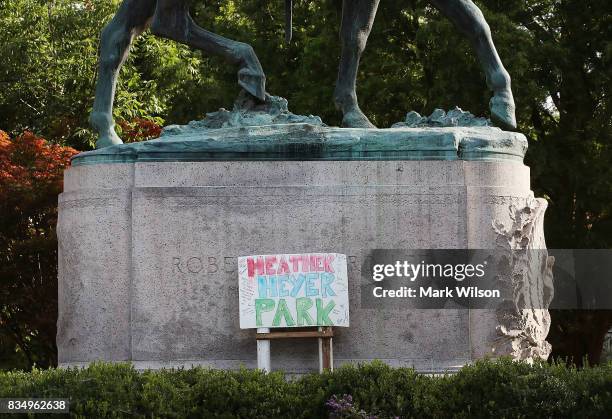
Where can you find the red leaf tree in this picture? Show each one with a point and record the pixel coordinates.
(139, 129)
(31, 171)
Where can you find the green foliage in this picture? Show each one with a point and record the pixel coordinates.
(49, 63)
(486, 389)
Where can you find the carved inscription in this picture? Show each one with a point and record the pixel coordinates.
(209, 265)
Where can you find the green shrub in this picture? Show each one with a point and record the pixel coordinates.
(501, 389)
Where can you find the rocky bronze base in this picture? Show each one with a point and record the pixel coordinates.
(269, 131)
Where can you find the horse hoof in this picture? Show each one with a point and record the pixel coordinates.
(503, 111)
(356, 119)
(253, 82)
(108, 140)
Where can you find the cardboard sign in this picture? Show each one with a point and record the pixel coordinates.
(293, 290)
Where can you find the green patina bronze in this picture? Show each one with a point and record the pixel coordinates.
(256, 130)
(171, 19)
(303, 141)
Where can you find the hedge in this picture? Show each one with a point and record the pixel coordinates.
(501, 389)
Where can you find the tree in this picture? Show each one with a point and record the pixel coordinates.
(49, 64)
(570, 129)
(31, 172)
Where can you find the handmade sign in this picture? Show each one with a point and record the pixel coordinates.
(293, 290)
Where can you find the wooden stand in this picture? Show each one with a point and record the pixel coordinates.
(323, 334)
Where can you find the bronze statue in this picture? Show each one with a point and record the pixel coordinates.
(170, 19)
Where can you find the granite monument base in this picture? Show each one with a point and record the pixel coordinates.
(148, 248)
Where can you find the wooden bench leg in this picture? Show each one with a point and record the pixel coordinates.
(326, 356)
(324, 336)
(263, 351)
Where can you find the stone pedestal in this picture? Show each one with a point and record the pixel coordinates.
(147, 254)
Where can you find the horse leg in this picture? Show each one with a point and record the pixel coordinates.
(468, 18)
(131, 20)
(173, 21)
(357, 19)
